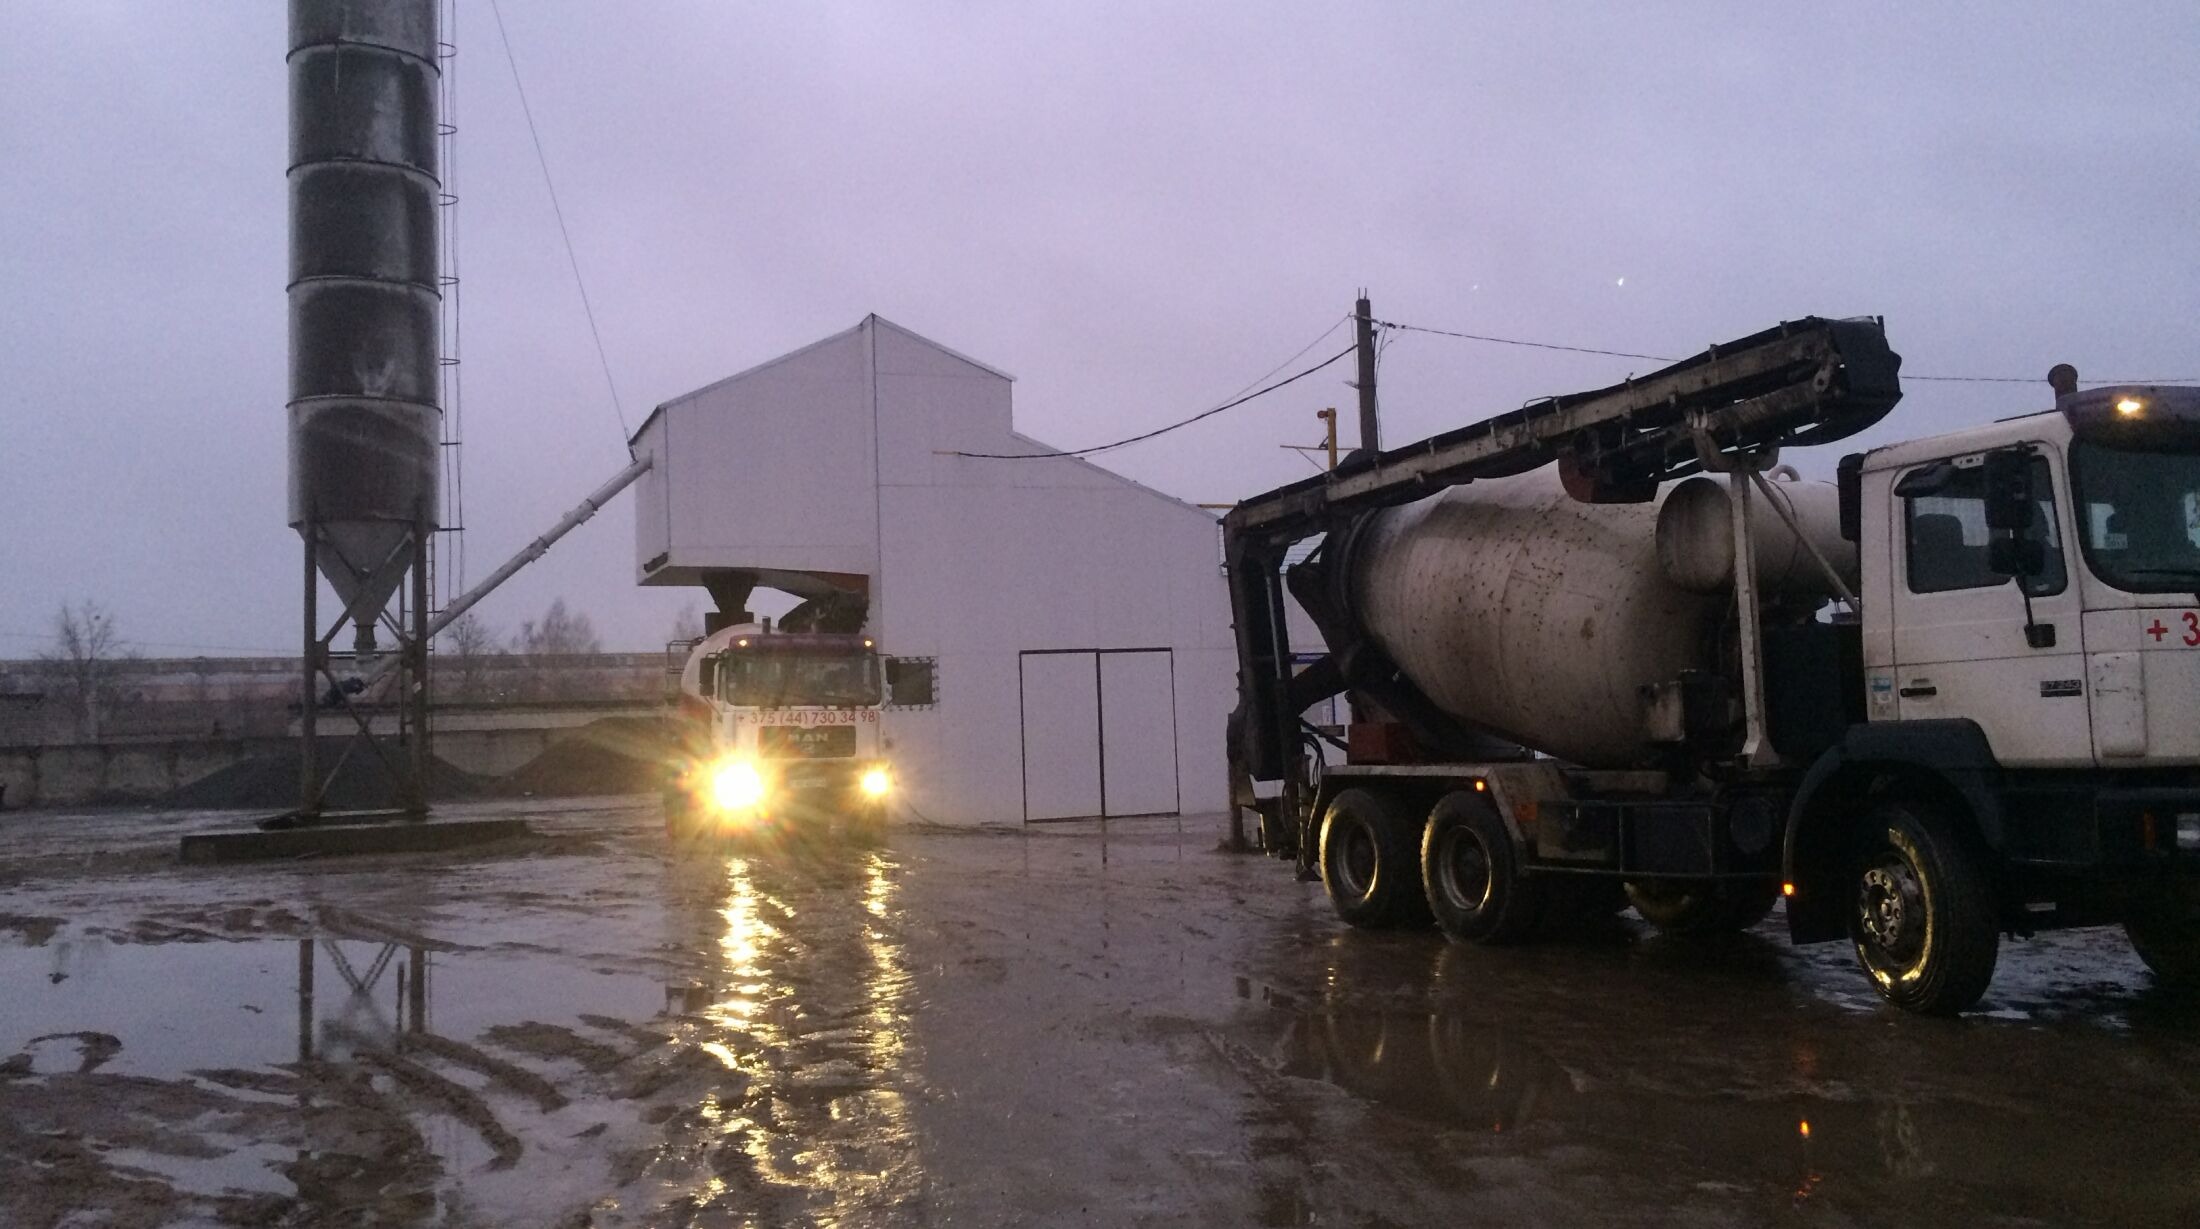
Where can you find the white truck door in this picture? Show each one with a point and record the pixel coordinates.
(1960, 643)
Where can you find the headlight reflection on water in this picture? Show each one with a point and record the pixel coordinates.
(808, 1002)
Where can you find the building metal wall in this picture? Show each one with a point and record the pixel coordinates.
(974, 562)
(768, 469)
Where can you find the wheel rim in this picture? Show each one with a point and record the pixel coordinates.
(1354, 861)
(1893, 915)
(1463, 870)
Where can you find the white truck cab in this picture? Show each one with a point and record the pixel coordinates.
(781, 731)
(2088, 656)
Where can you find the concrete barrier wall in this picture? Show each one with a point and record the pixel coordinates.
(147, 772)
(90, 774)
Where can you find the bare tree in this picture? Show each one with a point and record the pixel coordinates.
(84, 664)
(688, 624)
(469, 640)
(560, 634)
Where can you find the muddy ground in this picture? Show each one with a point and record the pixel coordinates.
(1065, 1026)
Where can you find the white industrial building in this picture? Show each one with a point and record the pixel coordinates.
(1078, 621)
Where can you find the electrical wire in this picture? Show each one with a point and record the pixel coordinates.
(1514, 341)
(1300, 353)
(1666, 358)
(625, 433)
(1157, 431)
(2043, 380)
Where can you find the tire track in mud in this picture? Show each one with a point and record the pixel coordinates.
(449, 1097)
(508, 1075)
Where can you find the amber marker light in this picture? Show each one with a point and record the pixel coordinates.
(1787, 889)
(1480, 786)
(1803, 1128)
(2129, 406)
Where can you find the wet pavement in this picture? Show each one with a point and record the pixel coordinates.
(1066, 1026)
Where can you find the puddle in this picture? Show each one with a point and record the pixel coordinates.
(181, 1007)
(200, 1074)
(750, 1063)
(1821, 1131)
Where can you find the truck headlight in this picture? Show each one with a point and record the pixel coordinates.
(736, 786)
(875, 782)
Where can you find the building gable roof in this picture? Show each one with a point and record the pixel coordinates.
(874, 320)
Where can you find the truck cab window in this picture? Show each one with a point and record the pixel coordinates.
(1946, 535)
(2141, 517)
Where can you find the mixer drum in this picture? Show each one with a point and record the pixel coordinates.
(1530, 615)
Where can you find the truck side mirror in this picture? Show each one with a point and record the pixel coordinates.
(2016, 556)
(1848, 481)
(2009, 498)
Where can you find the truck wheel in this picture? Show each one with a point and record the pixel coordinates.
(1580, 904)
(1923, 918)
(2167, 938)
(1367, 861)
(1472, 877)
(1750, 902)
(1698, 909)
(1691, 909)
(1703, 909)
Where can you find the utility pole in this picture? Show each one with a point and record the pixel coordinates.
(1370, 438)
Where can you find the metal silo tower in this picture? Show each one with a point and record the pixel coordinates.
(365, 426)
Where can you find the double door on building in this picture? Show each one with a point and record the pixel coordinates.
(1099, 733)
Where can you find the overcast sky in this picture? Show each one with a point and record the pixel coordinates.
(1136, 209)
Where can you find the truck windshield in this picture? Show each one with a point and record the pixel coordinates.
(2139, 517)
(771, 679)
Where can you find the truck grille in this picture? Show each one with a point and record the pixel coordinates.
(790, 742)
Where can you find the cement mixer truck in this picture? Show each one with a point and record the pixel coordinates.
(1607, 650)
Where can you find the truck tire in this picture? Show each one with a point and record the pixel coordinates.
(2167, 938)
(1577, 905)
(1368, 862)
(1923, 918)
(1700, 909)
(1751, 902)
(1471, 875)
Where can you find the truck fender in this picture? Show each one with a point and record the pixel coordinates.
(1949, 758)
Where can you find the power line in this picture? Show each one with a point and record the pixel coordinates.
(1227, 405)
(1514, 341)
(1666, 358)
(1338, 323)
(544, 162)
(2043, 380)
